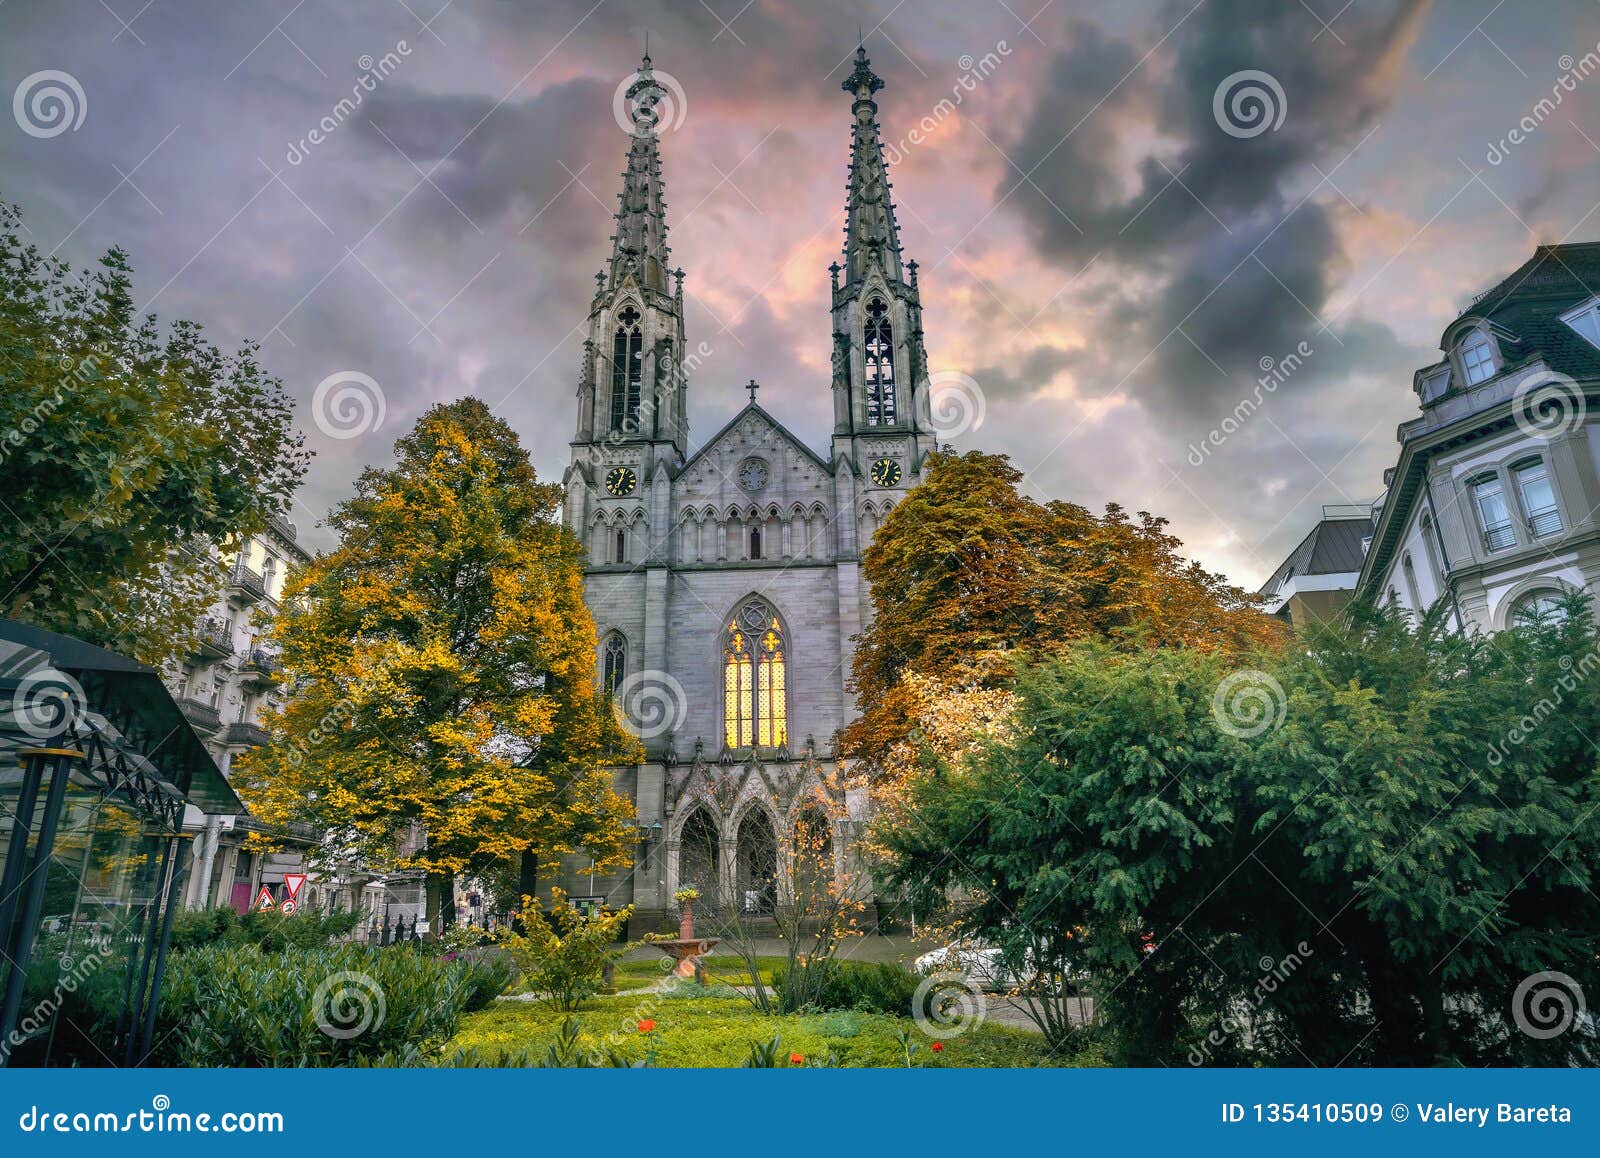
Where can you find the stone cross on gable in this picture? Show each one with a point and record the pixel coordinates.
(753, 387)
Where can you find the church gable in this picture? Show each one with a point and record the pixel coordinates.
(753, 460)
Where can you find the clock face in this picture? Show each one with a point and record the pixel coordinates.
(886, 472)
(621, 481)
(752, 474)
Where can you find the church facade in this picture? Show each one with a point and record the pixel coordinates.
(725, 578)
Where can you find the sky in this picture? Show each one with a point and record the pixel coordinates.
(1190, 254)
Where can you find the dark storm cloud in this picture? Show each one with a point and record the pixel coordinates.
(1103, 354)
(500, 162)
(1244, 261)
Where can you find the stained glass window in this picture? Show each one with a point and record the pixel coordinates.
(755, 683)
(879, 339)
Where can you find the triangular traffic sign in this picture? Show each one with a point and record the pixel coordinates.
(293, 882)
(264, 901)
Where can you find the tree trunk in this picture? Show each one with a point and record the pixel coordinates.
(440, 901)
(527, 884)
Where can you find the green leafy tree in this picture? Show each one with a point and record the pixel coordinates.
(125, 456)
(447, 718)
(1355, 853)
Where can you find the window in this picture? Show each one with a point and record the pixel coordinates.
(1494, 516)
(879, 347)
(1410, 570)
(1538, 608)
(755, 708)
(1586, 320)
(1477, 360)
(1538, 497)
(755, 542)
(627, 368)
(622, 548)
(614, 664)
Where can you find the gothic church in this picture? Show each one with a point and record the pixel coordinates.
(725, 581)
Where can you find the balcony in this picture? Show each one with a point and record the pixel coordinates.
(215, 640)
(1544, 522)
(247, 585)
(248, 735)
(1499, 536)
(259, 669)
(203, 716)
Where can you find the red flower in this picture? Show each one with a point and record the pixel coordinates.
(646, 1025)
(796, 1059)
(937, 1047)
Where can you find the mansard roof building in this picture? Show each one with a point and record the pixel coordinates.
(1494, 504)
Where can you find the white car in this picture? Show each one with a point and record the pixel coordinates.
(979, 961)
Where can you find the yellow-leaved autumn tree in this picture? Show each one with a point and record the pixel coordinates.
(445, 715)
(967, 573)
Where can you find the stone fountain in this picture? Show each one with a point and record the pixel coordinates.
(687, 950)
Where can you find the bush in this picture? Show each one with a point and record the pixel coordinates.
(269, 931)
(862, 986)
(485, 978)
(564, 955)
(228, 1005)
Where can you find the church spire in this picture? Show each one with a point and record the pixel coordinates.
(870, 232)
(640, 243)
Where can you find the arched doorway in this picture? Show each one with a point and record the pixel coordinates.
(756, 871)
(697, 856)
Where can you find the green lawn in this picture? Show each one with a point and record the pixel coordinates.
(716, 1029)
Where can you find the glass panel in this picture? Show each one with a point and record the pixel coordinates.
(1476, 360)
(1539, 607)
(1538, 499)
(1587, 324)
(1494, 517)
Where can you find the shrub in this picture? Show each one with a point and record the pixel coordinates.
(227, 1005)
(863, 986)
(484, 979)
(269, 931)
(563, 957)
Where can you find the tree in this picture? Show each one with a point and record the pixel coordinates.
(1364, 851)
(446, 716)
(967, 572)
(820, 888)
(124, 458)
